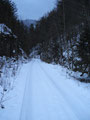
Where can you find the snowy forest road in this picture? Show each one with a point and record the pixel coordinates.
(49, 95)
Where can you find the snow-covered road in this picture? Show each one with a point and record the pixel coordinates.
(50, 95)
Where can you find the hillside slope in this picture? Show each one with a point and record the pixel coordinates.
(29, 22)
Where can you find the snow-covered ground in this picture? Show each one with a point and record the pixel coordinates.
(4, 29)
(45, 92)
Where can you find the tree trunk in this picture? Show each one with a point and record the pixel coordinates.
(89, 71)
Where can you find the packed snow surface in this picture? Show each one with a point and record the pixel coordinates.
(46, 92)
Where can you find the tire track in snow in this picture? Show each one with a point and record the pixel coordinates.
(30, 113)
(44, 94)
(66, 95)
(38, 96)
(65, 107)
(23, 114)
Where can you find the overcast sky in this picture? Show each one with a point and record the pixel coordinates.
(33, 9)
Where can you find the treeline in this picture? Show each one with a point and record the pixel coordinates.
(9, 17)
(64, 35)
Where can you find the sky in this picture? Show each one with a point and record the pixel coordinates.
(33, 9)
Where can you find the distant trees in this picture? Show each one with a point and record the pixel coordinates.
(63, 34)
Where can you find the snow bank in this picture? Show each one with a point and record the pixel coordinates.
(4, 29)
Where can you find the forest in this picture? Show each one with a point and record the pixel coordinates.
(45, 65)
(62, 35)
